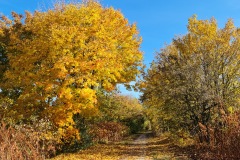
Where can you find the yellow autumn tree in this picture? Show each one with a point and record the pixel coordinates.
(59, 58)
(194, 82)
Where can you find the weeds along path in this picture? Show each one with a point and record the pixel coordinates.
(138, 147)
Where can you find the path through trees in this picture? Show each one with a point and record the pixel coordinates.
(138, 147)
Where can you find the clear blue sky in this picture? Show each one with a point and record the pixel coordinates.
(158, 20)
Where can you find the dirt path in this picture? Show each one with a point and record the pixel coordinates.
(142, 141)
(147, 147)
(140, 147)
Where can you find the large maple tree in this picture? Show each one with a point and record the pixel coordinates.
(56, 60)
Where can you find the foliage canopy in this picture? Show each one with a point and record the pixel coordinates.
(54, 62)
(195, 81)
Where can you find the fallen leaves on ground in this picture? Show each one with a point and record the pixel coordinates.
(144, 147)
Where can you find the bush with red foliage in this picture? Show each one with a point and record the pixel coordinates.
(108, 131)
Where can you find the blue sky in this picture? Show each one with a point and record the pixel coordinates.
(158, 20)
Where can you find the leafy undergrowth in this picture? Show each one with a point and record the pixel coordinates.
(138, 147)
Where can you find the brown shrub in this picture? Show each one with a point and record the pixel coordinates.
(15, 144)
(108, 131)
(23, 142)
(228, 140)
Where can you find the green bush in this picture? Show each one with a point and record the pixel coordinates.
(135, 124)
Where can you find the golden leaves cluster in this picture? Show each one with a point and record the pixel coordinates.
(196, 76)
(59, 58)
